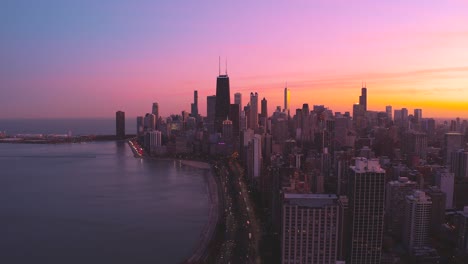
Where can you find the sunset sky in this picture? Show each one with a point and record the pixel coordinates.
(92, 58)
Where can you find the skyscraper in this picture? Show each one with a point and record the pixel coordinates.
(287, 98)
(396, 192)
(264, 111)
(223, 100)
(366, 205)
(418, 115)
(155, 110)
(417, 220)
(194, 106)
(120, 124)
(253, 115)
(310, 228)
(445, 180)
(388, 110)
(140, 125)
(235, 118)
(363, 98)
(459, 162)
(238, 99)
(452, 142)
(210, 112)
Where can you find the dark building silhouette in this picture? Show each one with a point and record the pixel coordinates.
(194, 106)
(264, 111)
(120, 124)
(223, 100)
(363, 98)
(210, 112)
(366, 207)
(234, 117)
(155, 110)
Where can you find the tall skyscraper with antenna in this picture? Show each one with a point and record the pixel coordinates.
(223, 99)
(363, 96)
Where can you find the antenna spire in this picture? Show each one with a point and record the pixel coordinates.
(226, 66)
(219, 65)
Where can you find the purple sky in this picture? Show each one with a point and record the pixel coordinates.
(91, 58)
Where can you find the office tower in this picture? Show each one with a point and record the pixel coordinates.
(461, 225)
(257, 155)
(210, 112)
(155, 110)
(287, 98)
(150, 122)
(395, 195)
(264, 111)
(120, 124)
(344, 233)
(452, 141)
(438, 198)
(388, 110)
(309, 228)
(445, 181)
(363, 98)
(194, 106)
(242, 121)
(140, 125)
(235, 118)
(415, 143)
(359, 120)
(418, 115)
(223, 100)
(154, 140)
(253, 115)
(404, 117)
(227, 129)
(238, 99)
(366, 206)
(416, 220)
(459, 165)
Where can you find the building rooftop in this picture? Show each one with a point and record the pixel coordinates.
(310, 199)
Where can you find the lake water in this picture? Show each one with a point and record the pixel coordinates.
(78, 126)
(96, 203)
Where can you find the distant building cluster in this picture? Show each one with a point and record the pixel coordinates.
(357, 187)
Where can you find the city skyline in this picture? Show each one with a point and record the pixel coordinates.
(88, 59)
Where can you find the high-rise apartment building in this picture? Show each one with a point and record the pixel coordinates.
(264, 111)
(438, 198)
(120, 124)
(395, 196)
(155, 110)
(253, 115)
(234, 116)
(446, 182)
(366, 207)
(238, 99)
(210, 112)
(417, 215)
(452, 141)
(223, 100)
(310, 228)
(150, 122)
(194, 106)
(418, 115)
(388, 110)
(140, 125)
(459, 163)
